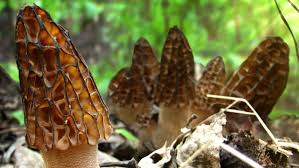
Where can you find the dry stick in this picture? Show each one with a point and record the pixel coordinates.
(252, 109)
(228, 148)
(275, 140)
(289, 28)
(231, 105)
(261, 121)
(238, 111)
(127, 163)
(12, 129)
(294, 165)
(240, 156)
(290, 144)
(286, 23)
(275, 147)
(197, 152)
(294, 6)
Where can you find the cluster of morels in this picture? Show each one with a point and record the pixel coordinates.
(65, 113)
(167, 94)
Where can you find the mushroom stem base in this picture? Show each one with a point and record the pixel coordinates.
(80, 156)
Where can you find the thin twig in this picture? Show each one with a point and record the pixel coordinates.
(293, 145)
(289, 28)
(238, 111)
(275, 140)
(275, 147)
(294, 165)
(294, 6)
(13, 129)
(252, 109)
(127, 163)
(231, 105)
(240, 156)
(261, 122)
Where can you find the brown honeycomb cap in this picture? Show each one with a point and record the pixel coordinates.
(176, 78)
(62, 105)
(134, 85)
(262, 77)
(211, 82)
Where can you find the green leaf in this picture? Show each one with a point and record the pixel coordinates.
(18, 115)
(11, 69)
(2, 5)
(93, 9)
(126, 134)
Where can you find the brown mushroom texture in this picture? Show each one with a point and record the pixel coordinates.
(62, 105)
(260, 79)
(211, 82)
(175, 87)
(130, 93)
(180, 91)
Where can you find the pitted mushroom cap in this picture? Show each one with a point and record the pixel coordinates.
(62, 105)
(262, 77)
(134, 85)
(211, 82)
(177, 70)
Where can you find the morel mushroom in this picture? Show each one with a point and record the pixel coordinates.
(64, 112)
(175, 89)
(130, 94)
(211, 82)
(261, 79)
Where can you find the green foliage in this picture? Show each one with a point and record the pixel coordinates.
(277, 112)
(2, 5)
(12, 69)
(126, 134)
(62, 10)
(19, 116)
(102, 77)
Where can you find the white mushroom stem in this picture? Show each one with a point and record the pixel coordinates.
(80, 156)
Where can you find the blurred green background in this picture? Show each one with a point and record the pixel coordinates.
(105, 32)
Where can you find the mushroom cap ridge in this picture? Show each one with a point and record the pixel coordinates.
(62, 105)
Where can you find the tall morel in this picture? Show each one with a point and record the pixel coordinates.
(64, 112)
